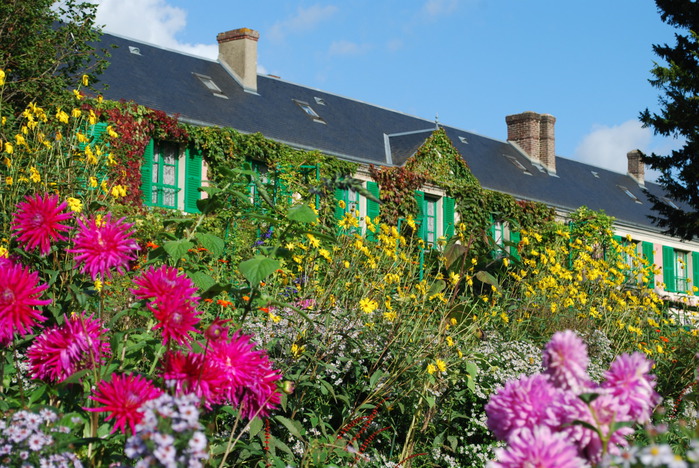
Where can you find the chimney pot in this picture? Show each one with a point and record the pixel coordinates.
(237, 49)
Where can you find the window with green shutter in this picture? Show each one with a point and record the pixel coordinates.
(447, 217)
(681, 271)
(515, 238)
(192, 181)
(164, 182)
(649, 254)
(372, 207)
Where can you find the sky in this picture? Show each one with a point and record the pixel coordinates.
(465, 63)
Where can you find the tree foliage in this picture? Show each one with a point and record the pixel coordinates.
(45, 47)
(678, 82)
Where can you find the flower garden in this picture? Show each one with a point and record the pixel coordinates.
(271, 333)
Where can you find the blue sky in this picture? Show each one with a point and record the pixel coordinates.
(467, 62)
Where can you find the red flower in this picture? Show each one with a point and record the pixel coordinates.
(19, 294)
(176, 317)
(37, 222)
(194, 373)
(122, 398)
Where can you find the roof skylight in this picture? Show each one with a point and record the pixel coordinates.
(595, 174)
(134, 50)
(463, 140)
(309, 111)
(671, 203)
(211, 85)
(319, 101)
(630, 195)
(517, 164)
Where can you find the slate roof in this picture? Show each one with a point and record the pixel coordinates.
(168, 80)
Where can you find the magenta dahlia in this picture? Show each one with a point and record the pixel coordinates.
(37, 222)
(103, 244)
(629, 380)
(20, 293)
(59, 352)
(251, 379)
(162, 282)
(521, 403)
(565, 362)
(538, 447)
(122, 397)
(195, 373)
(176, 318)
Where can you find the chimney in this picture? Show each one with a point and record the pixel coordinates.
(637, 170)
(534, 133)
(237, 49)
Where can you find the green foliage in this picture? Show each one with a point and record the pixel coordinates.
(45, 48)
(678, 82)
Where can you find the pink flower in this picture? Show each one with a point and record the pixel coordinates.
(122, 398)
(217, 330)
(173, 301)
(194, 373)
(161, 282)
(59, 352)
(565, 362)
(251, 382)
(522, 403)
(37, 222)
(537, 447)
(19, 294)
(629, 380)
(103, 245)
(176, 318)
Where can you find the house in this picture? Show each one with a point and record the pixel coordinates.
(229, 92)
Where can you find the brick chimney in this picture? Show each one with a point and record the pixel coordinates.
(534, 133)
(637, 170)
(237, 49)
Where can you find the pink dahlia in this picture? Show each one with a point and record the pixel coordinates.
(565, 362)
(629, 380)
(162, 282)
(104, 244)
(522, 403)
(37, 222)
(176, 318)
(59, 352)
(538, 447)
(122, 398)
(251, 380)
(19, 295)
(195, 373)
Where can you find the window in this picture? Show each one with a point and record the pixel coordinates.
(309, 111)
(497, 233)
(430, 220)
(435, 217)
(171, 176)
(681, 266)
(211, 85)
(350, 201)
(630, 194)
(676, 269)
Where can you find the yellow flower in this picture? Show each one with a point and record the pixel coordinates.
(98, 221)
(34, 175)
(297, 350)
(347, 264)
(61, 116)
(411, 223)
(74, 204)
(93, 182)
(368, 305)
(8, 180)
(103, 186)
(441, 365)
(390, 316)
(274, 318)
(341, 204)
(431, 369)
(4, 253)
(454, 278)
(111, 132)
(8, 162)
(77, 94)
(450, 341)
(118, 191)
(91, 159)
(98, 285)
(325, 254)
(75, 113)
(85, 80)
(312, 240)
(2, 78)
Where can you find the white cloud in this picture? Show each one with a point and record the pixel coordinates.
(152, 21)
(606, 147)
(304, 20)
(440, 7)
(347, 48)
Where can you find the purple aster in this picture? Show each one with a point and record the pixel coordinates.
(37, 222)
(522, 403)
(538, 448)
(629, 380)
(103, 244)
(565, 362)
(59, 352)
(19, 295)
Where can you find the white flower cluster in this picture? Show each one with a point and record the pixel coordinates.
(170, 434)
(27, 439)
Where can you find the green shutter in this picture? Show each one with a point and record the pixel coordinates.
(448, 217)
(649, 254)
(340, 195)
(420, 219)
(192, 179)
(515, 237)
(147, 174)
(372, 208)
(695, 271)
(669, 268)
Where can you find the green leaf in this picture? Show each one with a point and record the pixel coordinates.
(302, 214)
(437, 287)
(201, 280)
(213, 244)
(291, 426)
(258, 268)
(255, 426)
(588, 397)
(375, 378)
(177, 249)
(487, 278)
(453, 252)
